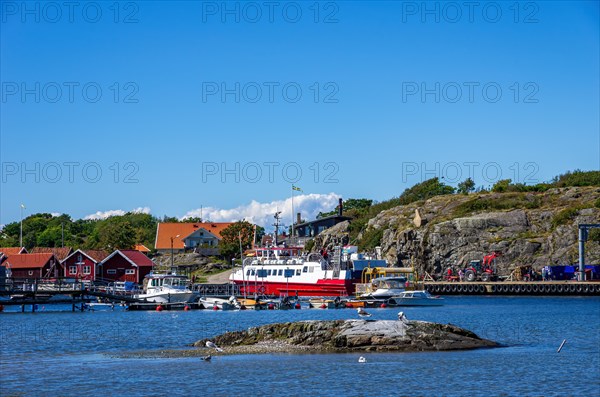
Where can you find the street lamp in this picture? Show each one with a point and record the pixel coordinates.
(172, 258)
(21, 233)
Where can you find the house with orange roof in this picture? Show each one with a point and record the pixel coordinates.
(44, 265)
(141, 248)
(83, 264)
(201, 237)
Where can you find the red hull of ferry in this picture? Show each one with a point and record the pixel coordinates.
(321, 288)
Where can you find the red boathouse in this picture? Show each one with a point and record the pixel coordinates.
(125, 265)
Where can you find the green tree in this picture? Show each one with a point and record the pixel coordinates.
(466, 186)
(424, 190)
(229, 246)
(501, 186)
(51, 237)
(114, 233)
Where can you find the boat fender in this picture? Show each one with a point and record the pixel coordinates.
(323, 306)
(215, 307)
(271, 306)
(297, 306)
(159, 308)
(186, 308)
(383, 305)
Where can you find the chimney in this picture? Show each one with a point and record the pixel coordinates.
(298, 218)
(340, 208)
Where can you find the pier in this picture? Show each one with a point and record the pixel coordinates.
(576, 288)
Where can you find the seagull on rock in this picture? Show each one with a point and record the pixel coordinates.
(212, 345)
(362, 312)
(402, 317)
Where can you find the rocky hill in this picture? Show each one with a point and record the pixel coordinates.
(528, 228)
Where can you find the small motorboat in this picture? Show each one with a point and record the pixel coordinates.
(219, 303)
(322, 303)
(416, 298)
(382, 288)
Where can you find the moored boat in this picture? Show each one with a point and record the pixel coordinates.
(383, 288)
(287, 271)
(416, 298)
(166, 288)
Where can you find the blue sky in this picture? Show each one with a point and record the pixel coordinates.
(391, 93)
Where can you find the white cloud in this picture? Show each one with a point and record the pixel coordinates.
(55, 214)
(309, 205)
(109, 213)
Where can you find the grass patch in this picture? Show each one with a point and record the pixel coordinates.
(506, 201)
(564, 216)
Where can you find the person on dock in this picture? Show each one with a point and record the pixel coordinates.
(460, 275)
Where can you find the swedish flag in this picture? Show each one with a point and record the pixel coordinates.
(296, 188)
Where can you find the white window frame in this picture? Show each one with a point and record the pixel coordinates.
(129, 271)
(87, 270)
(72, 269)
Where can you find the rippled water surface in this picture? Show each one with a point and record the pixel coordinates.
(69, 354)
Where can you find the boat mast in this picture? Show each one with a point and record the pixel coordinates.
(276, 224)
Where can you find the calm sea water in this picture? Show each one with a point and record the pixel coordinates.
(69, 354)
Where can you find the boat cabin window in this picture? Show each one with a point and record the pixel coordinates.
(269, 272)
(304, 269)
(248, 272)
(252, 272)
(311, 269)
(280, 272)
(297, 272)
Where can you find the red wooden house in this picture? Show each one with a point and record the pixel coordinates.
(83, 265)
(125, 265)
(34, 266)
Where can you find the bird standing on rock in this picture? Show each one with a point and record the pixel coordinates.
(212, 345)
(362, 312)
(402, 317)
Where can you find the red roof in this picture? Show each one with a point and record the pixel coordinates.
(135, 257)
(12, 250)
(164, 232)
(28, 261)
(95, 255)
(60, 252)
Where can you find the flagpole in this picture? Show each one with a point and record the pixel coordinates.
(292, 238)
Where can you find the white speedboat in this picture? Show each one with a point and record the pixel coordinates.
(382, 288)
(416, 298)
(219, 303)
(166, 288)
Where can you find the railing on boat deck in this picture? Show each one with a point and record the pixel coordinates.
(217, 289)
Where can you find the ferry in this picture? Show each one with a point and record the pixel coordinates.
(287, 271)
